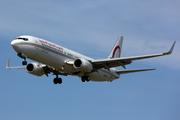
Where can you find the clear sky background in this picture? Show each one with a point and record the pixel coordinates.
(91, 28)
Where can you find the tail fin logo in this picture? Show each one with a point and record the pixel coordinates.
(117, 48)
(116, 52)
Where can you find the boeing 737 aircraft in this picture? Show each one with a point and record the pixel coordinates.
(58, 60)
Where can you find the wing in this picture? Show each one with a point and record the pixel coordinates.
(7, 65)
(46, 68)
(108, 63)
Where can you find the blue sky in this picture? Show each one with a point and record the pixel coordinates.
(91, 28)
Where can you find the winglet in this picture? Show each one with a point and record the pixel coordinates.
(7, 63)
(170, 51)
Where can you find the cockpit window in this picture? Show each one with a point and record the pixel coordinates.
(25, 39)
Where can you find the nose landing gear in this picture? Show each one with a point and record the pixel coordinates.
(24, 62)
(23, 56)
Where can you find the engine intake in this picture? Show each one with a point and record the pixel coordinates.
(35, 69)
(83, 65)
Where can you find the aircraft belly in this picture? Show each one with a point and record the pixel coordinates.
(70, 70)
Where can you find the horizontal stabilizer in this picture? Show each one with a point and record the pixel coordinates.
(7, 65)
(132, 71)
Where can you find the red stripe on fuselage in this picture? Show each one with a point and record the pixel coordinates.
(47, 49)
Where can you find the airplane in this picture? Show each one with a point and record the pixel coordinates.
(59, 60)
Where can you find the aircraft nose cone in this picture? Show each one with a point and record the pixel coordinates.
(13, 43)
(15, 46)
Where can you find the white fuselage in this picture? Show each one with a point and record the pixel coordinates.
(56, 56)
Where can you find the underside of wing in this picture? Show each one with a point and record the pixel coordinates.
(132, 71)
(109, 63)
(47, 69)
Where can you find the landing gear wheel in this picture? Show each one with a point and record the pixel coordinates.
(57, 80)
(83, 78)
(87, 78)
(24, 63)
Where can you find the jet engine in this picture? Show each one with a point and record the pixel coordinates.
(83, 65)
(35, 69)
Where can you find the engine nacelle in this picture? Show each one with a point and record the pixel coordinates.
(35, 69)
(83, 65)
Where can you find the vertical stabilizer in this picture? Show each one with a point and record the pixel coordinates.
(116, 51)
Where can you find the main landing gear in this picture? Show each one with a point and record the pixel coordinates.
(57, 80)
(85, 78)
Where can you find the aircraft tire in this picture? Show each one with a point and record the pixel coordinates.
(59, 80)
(24, 63)
(55, 81)
(87, 78)
(83, 78)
